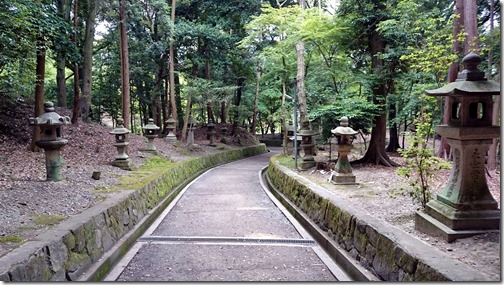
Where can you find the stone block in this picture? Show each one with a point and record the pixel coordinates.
(58, 254)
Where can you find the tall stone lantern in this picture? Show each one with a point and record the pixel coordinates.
(122, 159)
(342, 173)
(465, 206)
(170, 126)
(150, 132)
(307, 144)
(51, 141)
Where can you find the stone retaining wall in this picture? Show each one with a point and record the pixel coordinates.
(390, 253)
(66, 251)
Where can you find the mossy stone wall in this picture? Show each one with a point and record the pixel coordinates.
(390, 253)
(66, 251)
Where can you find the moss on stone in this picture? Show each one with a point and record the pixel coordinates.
(14, 239)
(46, 219)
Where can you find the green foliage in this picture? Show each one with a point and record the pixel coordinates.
(14, 239)
(21, 23)
(421, 164)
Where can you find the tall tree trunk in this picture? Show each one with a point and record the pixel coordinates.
(301, 95)
(256, 99)
(87, 64)
(471, 26)
(39, 89)
(492, 151)
(223, 112)
(284, 119)
(64, 11)
(458, 23)
(172, 62)
(393, 132)
(125, 85)
(376, 152)
(76, 101)
(236, 114)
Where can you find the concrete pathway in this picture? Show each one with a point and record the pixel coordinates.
(225, 226)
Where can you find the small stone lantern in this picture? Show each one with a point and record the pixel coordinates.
(342, 173)
(170, 126)
(122, 159)
(290, 138)
(51, 141)
(307, 145)
(465, 207)
(150, 132)
(190, 132)
(211, 133)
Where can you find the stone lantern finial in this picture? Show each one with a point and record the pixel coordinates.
(471, 71)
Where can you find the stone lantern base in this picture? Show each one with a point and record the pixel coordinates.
(343, 178)
(446, 222)
(123, 163)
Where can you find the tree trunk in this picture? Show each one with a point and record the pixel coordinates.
(470, 27)
(303, 113)
(444, 147)
(125, 86)
(172, 63)
(376, 152)
(223, 112)
(39, 89)
(186, 117)
(393, 132)
(64, 11)
(76, 101)
(492, 151)
(87, 64)
(236, 115)
(256, 99)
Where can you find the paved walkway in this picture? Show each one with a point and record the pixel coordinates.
(225, 227)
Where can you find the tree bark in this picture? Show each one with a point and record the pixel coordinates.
(471, 27)
(492, 151)
(39, 89)
(172, 63)
(376, 152)
(301, 95)
(76, 101)
(236, 114)
(458, 23)
(64, 11)
(87, 64)
(256, 99)
(125, 86)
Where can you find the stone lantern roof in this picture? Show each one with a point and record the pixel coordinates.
(50, 117)
(119, 129)
(470, 81)
(343, 128)
(151, 125)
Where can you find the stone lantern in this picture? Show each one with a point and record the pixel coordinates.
(289, 140)
(307, 145)
(170, 126)
(122, 159)
(51, 141)
(190, 133)
(465, 206)
(211, 133)
(150, 132)
(342, 173)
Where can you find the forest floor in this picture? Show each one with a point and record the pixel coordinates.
(29, 205)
